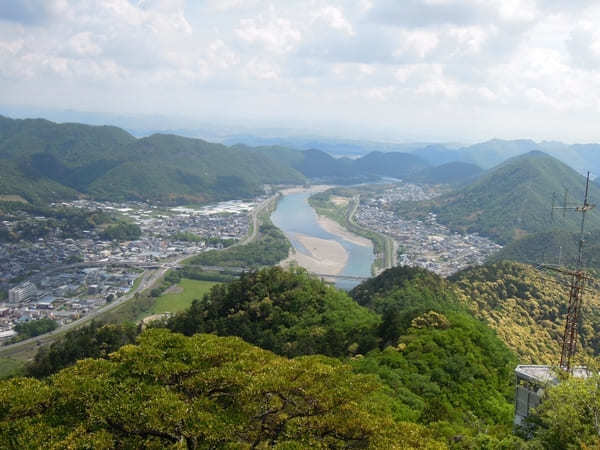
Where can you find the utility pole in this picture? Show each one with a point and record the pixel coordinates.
(578, 278)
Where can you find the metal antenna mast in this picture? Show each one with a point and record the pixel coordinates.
(578, 279)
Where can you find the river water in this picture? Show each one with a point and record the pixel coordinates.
(294, 215)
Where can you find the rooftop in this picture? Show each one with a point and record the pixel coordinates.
(546, 374)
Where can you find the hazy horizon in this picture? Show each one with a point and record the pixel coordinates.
(419, 70)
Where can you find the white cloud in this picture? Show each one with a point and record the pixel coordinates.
(335, 18)
(448, 61)
(275, 34)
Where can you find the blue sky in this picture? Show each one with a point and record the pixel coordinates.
(458, 70)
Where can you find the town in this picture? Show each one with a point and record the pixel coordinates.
(65, 279)
(423, 243)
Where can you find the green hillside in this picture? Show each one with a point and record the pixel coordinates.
(523, 305)
(512, 200)
(317, 164)
(550, 246)
(527, 309)
(391, 164)
(454, 173)
(45, 161)
(435, 372)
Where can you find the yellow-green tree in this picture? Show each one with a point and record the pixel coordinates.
(171, 391)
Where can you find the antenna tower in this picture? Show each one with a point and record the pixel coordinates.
(578, 278)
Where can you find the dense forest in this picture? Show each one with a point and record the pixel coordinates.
(42, 161)
(401, 362)
(512, 200)
(270, 247)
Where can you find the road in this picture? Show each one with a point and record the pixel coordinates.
(149, 277)
(389, 250)
(254, 218)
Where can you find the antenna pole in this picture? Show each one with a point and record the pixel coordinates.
(577, 283)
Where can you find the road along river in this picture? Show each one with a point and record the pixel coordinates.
(321, 245)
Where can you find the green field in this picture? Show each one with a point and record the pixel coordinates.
(179, 301)
(9, 367)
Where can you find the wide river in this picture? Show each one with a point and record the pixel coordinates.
(294, 215)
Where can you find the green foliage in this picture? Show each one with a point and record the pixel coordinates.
(186, 236)
(552, 246)
(443, 364)
(91, 341)
(405, 288)
(121, 231)
(454, 173)
(451, 369)
(43, 161)
(511, 201)
(288, 312)
(527, 309)
(35, 328)
(268, 249)
(68, 222)
(11, 368)
(569, 415)
(170, 391)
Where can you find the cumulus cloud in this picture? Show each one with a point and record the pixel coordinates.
(373, 61)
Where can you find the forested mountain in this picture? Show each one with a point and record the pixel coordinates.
(513, 200)
(527, 309)
(429, 371)
(317, 164)
(553, 247)
(422, 362)
(44, 161)
(454, 173)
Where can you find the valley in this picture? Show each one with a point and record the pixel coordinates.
(389, 266)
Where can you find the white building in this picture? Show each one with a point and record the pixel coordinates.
(22, 292)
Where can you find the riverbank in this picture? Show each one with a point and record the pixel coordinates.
(309, 189)
(333, 227)
(325, 256)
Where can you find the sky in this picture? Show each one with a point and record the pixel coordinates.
(435, 70)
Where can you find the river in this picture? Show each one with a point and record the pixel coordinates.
(294, 216)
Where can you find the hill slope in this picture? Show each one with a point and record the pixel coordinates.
(44, 161)
(513, 200)
(317, 164)
(551, 246)
(527, 310)
(449, 173)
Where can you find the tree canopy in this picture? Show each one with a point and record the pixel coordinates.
(171, 391)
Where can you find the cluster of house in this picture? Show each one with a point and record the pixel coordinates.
(66, 294)
(162, 232)
(426, 243)
(63, 297)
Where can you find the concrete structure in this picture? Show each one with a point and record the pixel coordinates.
(531, 383)
(22, 292)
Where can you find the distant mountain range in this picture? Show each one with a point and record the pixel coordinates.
(43, 161)
(581, 157)
(512, 200)
(317, 164)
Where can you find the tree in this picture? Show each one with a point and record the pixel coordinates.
(171, 391)
(569, 415)
(288, 312)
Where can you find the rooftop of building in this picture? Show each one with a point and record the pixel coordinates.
(546, 374)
